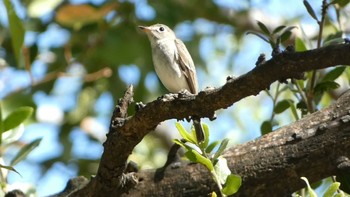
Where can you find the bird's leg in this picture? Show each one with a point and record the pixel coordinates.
(167, 97)
(184, 92)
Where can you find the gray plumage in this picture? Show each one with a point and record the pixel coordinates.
(173, 64)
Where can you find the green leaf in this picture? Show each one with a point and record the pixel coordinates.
(293, 109)
(341, 3)
(310, 190)
(331, 189)
(22, 154)
(333, 41)
(194, 156)
(184, 134)
(263, 28)
(188, 148)
(221, 149)
(212, 146)
(17, 117)
(266, 127)
(285, 35)
(278, 29)
(193, 134)
(16, 30)
(301, 84)
(10, 168)
(184, 145)
(213, 194)
(334, 38)
(338, 34)
(264, 38)
(176, 141)
(12, 135)
(300, 44)
(204, 144)
(233, 183)
(221, 170)
(282, 106)
(325, 86)
(334, 74)
(341, 194)
(310, 10)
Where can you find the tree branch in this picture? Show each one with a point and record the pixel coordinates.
(125, 135)
(316, 147)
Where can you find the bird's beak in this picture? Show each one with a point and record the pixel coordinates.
(145, 29)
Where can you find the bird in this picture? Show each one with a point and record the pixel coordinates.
(173, 64)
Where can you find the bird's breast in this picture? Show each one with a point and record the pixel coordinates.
(164, 58)
(167, 68)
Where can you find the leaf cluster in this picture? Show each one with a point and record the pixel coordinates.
(204, 154)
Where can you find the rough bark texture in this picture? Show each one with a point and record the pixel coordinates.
(315, 147)
(258, 162)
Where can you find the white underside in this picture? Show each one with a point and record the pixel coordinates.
(167, 69)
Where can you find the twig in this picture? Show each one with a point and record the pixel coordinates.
(310, 94)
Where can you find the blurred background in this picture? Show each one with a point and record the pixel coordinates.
(80, 55)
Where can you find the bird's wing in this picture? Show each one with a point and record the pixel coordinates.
(184, 60)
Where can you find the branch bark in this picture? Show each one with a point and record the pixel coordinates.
(129, 131)
(316, 147)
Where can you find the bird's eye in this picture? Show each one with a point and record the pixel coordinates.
(161, 28)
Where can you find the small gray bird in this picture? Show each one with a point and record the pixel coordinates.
(173, 64)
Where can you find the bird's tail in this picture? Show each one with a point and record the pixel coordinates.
(198, 128)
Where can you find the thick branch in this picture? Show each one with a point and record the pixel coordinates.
(124, 137)
(315, 147)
